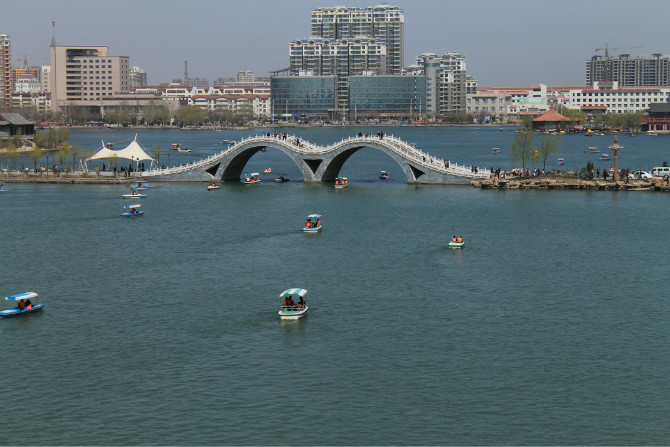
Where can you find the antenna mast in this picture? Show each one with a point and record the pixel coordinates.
(53, 33)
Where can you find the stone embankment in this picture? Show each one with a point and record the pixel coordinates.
(655, 184)
(78, 178)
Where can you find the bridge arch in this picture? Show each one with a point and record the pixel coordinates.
(322, 163)
(233, 164)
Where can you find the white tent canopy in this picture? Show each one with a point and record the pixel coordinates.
(131, 152)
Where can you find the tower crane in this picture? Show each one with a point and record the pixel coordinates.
(607, 55)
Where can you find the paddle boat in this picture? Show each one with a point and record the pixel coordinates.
(3, 188)
(456, 242)
(604, 157)
(267, 171)
(176, 147)
(281, 178)
(293, 306)
(212, 187)
(495, 150)
(134, 211)
(312, 223)
(592, 149)
(383, 175)
(560, 161)
(133, 195)
(183, 150)
(24, 307)
(254, 177)
(341, 182)
(140, 185)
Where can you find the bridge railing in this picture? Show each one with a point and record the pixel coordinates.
(397, 145)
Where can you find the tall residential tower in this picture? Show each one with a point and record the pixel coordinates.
(383, 23)
(5, 70)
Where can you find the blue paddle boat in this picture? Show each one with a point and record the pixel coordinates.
(141, 185)
(24, 306)
(134, 210)
(384, 175)
(3, 188)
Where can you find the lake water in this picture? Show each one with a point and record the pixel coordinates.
(549, 328)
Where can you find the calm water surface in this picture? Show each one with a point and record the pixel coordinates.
(549, 328)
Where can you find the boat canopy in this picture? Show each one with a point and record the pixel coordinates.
(132, 206)
(26, 296)
(313, 217)
(299, 292)
(384, 172)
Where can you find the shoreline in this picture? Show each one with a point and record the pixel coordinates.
(517, 183)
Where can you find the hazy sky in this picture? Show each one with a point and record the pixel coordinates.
(506, 42)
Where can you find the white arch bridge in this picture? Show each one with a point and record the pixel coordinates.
(321, 163)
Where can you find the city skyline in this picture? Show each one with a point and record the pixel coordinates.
(506, 43)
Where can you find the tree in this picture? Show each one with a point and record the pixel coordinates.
(527, 121)
(35, 155)
(156, 153)
(191, 116)
(63, 152)
(574, 114)
(522, 146)
(74, 151)
(13, 155)
(549, 145)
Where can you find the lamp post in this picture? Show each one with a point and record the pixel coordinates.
(616, 147)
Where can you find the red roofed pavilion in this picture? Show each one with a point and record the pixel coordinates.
(552, 120)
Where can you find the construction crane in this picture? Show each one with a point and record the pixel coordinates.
(606, 49)
(25, 60)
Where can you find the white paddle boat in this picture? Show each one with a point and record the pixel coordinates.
(293, 306)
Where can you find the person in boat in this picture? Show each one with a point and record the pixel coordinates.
(453, 239)
(308, 224)
(133, 211)
(460, 239)
(134, 193)
(29, 305)
(288, 303)
(301, 304)
(337, 182)
(21, 305)
(318, 223)
(213, 185)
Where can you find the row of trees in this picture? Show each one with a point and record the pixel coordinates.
(524, 148)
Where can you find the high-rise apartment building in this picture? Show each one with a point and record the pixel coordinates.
(339, 57)
(86, 73)
(138, 77)
(5, 70)
(383, 23)
(446, 82)
(639, 71)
